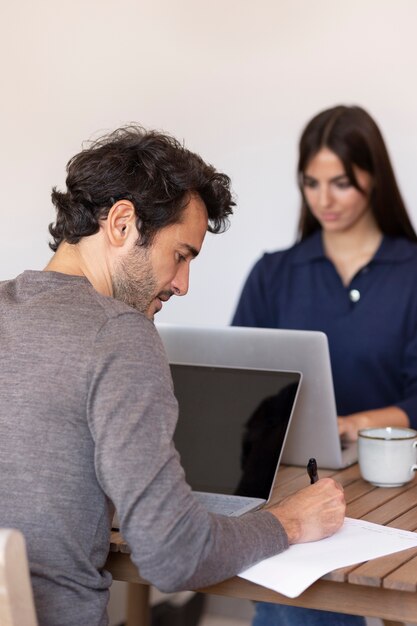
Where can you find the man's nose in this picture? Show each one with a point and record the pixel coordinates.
(181, 280)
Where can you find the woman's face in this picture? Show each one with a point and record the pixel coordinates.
(333, 200)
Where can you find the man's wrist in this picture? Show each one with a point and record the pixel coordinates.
(291, 525)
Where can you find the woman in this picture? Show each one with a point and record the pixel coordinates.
(352, 275)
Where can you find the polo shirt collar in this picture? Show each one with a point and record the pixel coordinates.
(310, 249)
(394, 250)
(391, 250)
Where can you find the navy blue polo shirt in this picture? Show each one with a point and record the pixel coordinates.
(371, 324)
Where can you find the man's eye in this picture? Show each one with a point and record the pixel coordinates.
(180, 258)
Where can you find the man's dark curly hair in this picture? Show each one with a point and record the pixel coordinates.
(152, 170)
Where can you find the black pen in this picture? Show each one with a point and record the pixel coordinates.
(312, 471)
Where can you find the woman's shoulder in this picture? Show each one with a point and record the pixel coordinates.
(300, 252)
(397, 250)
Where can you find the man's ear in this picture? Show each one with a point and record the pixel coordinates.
(120, 225)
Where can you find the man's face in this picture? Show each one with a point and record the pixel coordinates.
(146, 277)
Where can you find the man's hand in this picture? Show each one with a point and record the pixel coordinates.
(312, 513)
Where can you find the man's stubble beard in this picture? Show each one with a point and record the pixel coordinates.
(133, 281)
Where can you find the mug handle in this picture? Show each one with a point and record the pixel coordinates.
(414, 467)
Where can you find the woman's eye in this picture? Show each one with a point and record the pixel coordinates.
(343, 184)
(310, 183)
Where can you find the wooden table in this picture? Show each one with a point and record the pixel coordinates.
(384, 587)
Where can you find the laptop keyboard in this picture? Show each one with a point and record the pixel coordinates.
(222, 504)
(213, 502)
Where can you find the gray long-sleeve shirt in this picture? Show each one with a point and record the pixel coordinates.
(87, 414)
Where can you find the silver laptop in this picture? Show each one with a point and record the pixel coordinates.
(313, 431)
(231, 431)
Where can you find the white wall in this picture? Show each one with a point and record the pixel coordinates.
(236, 79)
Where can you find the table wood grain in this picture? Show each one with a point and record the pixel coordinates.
(384, 587)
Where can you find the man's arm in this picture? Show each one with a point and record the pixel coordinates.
(175, 542)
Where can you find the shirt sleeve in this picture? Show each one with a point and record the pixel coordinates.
(409, 403)
(175, 543)
(253, 308)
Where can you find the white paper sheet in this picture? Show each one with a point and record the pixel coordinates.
(292, 571)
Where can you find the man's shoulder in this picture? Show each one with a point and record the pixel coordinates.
(65, 302)
(115, 317)
(110, 307)
(107, 317)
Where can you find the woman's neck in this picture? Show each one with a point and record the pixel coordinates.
(351, 250)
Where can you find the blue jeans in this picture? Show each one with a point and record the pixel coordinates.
(267, 614)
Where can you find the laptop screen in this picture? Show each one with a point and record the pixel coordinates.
(232, 426)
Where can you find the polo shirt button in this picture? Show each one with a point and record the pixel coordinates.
(354, 295)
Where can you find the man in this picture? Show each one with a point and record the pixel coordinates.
(87, 410)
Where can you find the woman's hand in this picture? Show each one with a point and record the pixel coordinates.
(350, 425)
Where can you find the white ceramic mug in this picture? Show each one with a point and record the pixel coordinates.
(387, 456)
